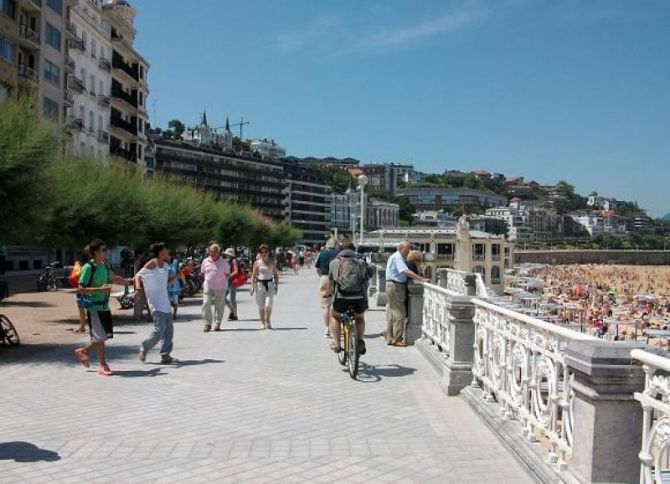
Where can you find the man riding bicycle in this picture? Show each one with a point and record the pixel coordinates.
(348, 280)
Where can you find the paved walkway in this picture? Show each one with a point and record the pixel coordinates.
(245, 405)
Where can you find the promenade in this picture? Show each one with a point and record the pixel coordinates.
(243, 405)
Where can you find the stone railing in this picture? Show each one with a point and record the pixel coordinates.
(562, 401)
(520, 363)
(655, 400)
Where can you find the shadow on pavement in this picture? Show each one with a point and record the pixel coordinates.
(186, 363)
(27, 304)
(370, 374)
(26, 452)
(61, 353)
(138, 373)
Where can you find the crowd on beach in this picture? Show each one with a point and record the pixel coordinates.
(621, 302)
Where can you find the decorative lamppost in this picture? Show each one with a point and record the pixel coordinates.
(362, 181)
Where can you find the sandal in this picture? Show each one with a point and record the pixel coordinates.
(82, 357)
(167, 359)
(400, 344)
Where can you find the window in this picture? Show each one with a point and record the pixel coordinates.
(84, 38)
(91, 120)
(82, 112)
(100, 125)
(83, 75)
(7, 50)
(52, 72)
(50, 108)
(56, 5)
(8, 7)
(101, 87)
(53, 37)
(94, 47)
(92, 84)
(102, 52)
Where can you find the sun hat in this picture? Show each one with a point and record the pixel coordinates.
(230, 251)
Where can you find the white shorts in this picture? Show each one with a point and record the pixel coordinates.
(265, 297)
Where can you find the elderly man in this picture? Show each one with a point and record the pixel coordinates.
(215, 269)
(397, 273)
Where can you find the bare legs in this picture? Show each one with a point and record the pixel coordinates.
(266, 317)
(335, 327)
(82, 320)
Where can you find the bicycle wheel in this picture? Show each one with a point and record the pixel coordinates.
(53, 285)
(9, 331)
(342, 355)
(352, 358)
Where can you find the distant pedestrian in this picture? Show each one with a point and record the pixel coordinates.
(264, 282)
(155, 279)
(94, 285)
(79, 264)
(139, 300)
(174, 288)
(301, 257)
(215, 269)
(322, 265)
(231, 290)
(397, 273)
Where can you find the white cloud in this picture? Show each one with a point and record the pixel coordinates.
(439, 26)
(293, 41)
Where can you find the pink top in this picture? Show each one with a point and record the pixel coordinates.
(215, 273)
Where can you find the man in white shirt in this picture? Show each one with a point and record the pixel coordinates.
(154, 278)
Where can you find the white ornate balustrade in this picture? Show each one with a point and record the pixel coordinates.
(519, 361)
(655, 401)
(436, 316)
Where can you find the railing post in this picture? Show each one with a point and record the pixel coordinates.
(458, 368)
(442, 275)
(470, 284)
(382, 299)
(607, 432)
(414, 313)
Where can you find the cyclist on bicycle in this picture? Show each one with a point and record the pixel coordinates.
(348, 280)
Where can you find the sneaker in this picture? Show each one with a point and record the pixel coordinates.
(361, 347)
(207, 328)
(143, 355)
(326, 334)
(217, 327)
(104, 371)
(82, 357)
(232, 318)
(167, 360)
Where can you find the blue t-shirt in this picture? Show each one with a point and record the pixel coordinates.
(323, 261)
(395, 268)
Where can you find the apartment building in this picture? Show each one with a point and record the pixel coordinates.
(444, 198)
(129, 118)
(388, 176)
(307, 202)
(32, 53)
(89, 81)
(235, 177)
(267, 149)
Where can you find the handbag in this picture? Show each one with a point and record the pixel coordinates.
(240, 279)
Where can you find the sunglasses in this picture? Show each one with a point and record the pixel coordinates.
(264, 252)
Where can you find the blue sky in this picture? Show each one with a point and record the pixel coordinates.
(548, 89)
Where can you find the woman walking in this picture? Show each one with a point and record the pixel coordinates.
(174, 288)
(264, 281)
(231, 290)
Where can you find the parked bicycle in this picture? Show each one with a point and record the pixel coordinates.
(48, 280)
(349, 355)
(8, 333)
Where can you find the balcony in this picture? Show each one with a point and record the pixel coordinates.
(31, 5)
(119, 93)
(28, 38)
(76, 43)
(26, 73)
(103, 136)
(105, 64)
(128, 69)
(75, 123)
(125, 154)
(68, 98)
(69, 63)
(76, 84)
(478, 256)
(71, 29)
(119, 122)
(103, 100)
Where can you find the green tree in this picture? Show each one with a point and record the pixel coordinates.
(27, 148)
(177, 128)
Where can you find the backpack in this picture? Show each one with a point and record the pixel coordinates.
(351, 277)
(73, 278)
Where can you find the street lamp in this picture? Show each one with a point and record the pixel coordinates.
(362, 181)
(352, 215)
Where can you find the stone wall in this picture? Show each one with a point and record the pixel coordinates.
(632, 257)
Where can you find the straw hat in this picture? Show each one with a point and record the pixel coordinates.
(230, 252)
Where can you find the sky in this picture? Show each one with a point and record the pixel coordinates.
(575, 90)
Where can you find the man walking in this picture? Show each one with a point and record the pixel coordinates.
(94, 288)
(397, 273)
(322, 265)
(215, 269)
(154, 278)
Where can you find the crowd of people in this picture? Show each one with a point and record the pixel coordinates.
(622, 301)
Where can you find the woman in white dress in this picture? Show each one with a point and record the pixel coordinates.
(264, 280)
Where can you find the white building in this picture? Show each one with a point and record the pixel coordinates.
(204, 135)
(88, 93)
(268, 150)
(516, 217)
(129, 90)
(595, 201)
(593, 222)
